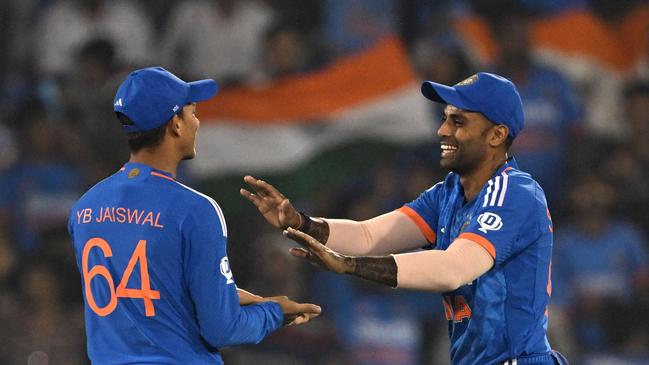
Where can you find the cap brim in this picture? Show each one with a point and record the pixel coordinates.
(201, 90)
(443, 94)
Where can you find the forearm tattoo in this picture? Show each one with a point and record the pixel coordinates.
(379, 269)
(319, 229)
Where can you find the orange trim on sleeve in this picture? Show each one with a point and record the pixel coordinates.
(481, 241)
(420, 222)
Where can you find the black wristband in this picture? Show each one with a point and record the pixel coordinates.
(306, 223)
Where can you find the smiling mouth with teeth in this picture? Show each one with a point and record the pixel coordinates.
(448, 150)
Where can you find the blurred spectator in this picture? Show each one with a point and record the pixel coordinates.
(221, 39)
(352, 25)
(91, 112)
(642, 66)
(16, 25)
(8, 152)
(626, 163)
(50, 329)
(444, 60)
(37, 192)
(304, 15)
(9, 301)
(287, 51)
(599, 261)
(15, 65)
(67, 24)
(550, 105)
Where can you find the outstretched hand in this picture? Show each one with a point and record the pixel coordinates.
(295, 313)
(271, 203)
(318, 254)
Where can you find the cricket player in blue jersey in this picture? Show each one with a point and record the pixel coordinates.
(151, 251)
(488, 223)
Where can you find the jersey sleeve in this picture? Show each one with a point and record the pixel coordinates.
(424, 211)
(222, 321)
(507, 219)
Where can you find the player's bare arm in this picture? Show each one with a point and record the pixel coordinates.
(392, 232)
(436, 270)
(380, 269)
(247, 298)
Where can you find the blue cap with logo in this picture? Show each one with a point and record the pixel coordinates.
(492, 95)
(151, 96)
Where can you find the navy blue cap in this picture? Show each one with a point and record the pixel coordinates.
(151, 96)
(492, 95)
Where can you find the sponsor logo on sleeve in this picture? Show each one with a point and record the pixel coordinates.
(489, 222)
(225, 270)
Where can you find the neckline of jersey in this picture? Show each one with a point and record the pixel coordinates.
(144, 167)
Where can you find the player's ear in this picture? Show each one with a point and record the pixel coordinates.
(175, 126)
(499, 135)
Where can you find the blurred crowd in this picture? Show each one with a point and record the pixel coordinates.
(586, 141)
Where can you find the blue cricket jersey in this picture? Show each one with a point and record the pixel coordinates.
(502, 314)
(155, 275)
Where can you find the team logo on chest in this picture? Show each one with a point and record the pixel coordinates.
(489, 222)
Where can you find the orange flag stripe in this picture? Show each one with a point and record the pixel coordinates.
(574, 33)
(374, 73)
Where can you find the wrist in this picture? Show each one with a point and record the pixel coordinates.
(350, 264)
(305, 224)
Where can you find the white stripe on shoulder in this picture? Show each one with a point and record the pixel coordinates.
(504, 191)
(217, 208)
(494, 196)
(432, 187)
(486, 196)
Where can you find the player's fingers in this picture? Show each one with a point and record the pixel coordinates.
(300, 319)
(299, 252)
(303, 318)
(304, 239)
(278, 298)
(254, 184)
(307, 308)
(254, 199)
(250, 180)
(268, 189)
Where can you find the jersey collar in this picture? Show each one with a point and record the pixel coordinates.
(136, 168)
(508, 165)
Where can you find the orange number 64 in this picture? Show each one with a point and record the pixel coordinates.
(144, 292)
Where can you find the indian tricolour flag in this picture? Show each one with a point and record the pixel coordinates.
(373, 95)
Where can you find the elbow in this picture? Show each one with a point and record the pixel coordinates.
(450, 282)
(220, 336)
(217, 341)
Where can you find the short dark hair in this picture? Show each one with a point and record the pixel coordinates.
(508, 142)
(146, 139)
